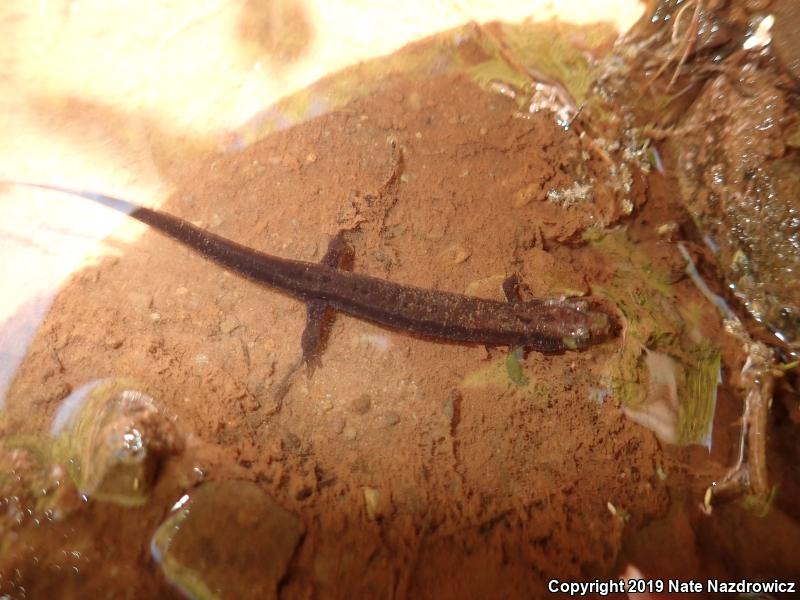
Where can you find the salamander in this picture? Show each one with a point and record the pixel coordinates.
(545, 325)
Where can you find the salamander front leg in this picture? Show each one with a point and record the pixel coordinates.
(511, 290)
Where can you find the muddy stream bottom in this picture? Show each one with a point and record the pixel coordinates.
(401, 467)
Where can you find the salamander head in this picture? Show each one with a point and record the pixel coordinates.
(571, 324)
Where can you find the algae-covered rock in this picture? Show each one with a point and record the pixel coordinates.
(718, 96)
(227, 539)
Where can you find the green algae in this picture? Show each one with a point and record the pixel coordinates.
(494, 374)
(505, 372)
(700, 386)
(552, 54)
(497, 375)
(514, 368)
(659, 321)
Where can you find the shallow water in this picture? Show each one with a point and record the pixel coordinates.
(401, 466)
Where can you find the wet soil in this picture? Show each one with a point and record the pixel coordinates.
(418, 469)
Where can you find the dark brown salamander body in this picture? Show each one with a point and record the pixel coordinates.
(543, 325)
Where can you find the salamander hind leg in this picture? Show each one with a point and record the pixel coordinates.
(319, 316)
(511, 288)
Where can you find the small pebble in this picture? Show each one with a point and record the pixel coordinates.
(668, 230)
(268, 404)
(310, 250)
(291, 441)
(250, 403)
(140, 301)
(461, 255)
(525, 195)
(349, 433)
(361, 405)
(114, 342)
(452, 409)
(327, 404)
(449, 409)
(255, 384)
(391, 418)
(229, 324)
(372, 503)
(338, 424)
(456, 253)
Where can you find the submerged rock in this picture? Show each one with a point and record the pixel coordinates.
(228, 539)
(113, 438)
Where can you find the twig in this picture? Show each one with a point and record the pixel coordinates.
(691, 39)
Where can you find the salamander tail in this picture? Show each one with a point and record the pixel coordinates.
(118, 204)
